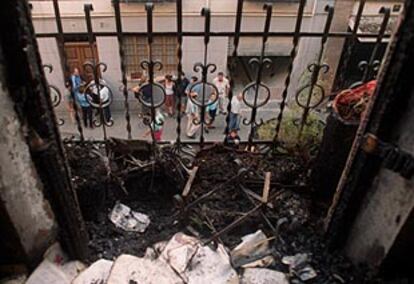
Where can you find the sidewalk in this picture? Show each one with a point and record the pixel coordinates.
(118, 129)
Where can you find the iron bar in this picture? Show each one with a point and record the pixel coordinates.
(206, 13)
(95, 67)
(315, 69)
(205, 68)
(150, 66)
(65, 65)
(120, 37)
(293, 53)
(149, 8)
(261, 63)
(236, 41)
(352, 40)
(220, 34)
(180, 91)
(373, 64)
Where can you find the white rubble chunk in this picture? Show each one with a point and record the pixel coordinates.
(73, 268)
(263, 276)
(128, 220)
(252, 247)
(49, 273)
(55, 254)
(128, 268)
(98, 272)
(179, 251)
(198, 264)
(299, 266)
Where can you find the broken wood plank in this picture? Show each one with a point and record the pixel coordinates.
(211, 192)
(190, 181)
(240, 220)
(266, 187)
(255, 196)
(234, 224)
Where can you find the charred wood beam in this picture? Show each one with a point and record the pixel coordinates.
(190, 181)
(29, 90)
(237, 222)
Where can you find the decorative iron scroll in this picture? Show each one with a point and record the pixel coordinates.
(260, 63)
(370, 68)
(98, 94)
(120, 38)
(314, 89)
(55, 94)
(201, 100)
(150, 90)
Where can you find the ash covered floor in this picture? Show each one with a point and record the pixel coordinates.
(291, 220)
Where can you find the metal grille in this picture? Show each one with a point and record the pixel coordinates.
(155, 53)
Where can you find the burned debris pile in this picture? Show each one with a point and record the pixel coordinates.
(216, 195)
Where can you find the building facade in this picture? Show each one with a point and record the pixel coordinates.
(219, 50)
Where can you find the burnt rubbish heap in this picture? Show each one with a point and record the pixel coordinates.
(321, 192)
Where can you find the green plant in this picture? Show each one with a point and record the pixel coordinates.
(289, 131)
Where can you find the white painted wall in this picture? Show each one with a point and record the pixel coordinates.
(223, 19)
(21, 190)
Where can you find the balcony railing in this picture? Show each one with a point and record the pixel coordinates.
(255, 95)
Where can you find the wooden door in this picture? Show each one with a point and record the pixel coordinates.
(77, 54)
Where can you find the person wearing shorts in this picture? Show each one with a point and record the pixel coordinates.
(170, 94)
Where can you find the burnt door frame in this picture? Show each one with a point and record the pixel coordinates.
(385, 110)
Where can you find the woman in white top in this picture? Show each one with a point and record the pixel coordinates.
(170, 93)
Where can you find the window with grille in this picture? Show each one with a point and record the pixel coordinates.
(163, 49)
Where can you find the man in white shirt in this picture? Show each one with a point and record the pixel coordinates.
(235, 114)
(223, 86)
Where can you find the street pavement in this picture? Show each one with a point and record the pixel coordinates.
(119, 130)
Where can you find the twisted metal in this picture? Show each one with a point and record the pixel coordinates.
(121, 47)
(370, 68)
(99, 102)
(94, 94)
(204, 68)
(234, 55)
(64, 61)
(201, 104)
(313, 88)
(179, 69)
(260, 63)
(293, 53)
(150, 66)
(340, 84)
(55, 94)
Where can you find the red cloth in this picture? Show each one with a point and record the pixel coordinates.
(351, 104)
(158, 135)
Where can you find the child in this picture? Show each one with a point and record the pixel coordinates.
(156, 126)
(212, 109)
(233, 139)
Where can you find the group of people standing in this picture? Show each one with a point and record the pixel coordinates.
(85, 95)
(184, 97)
